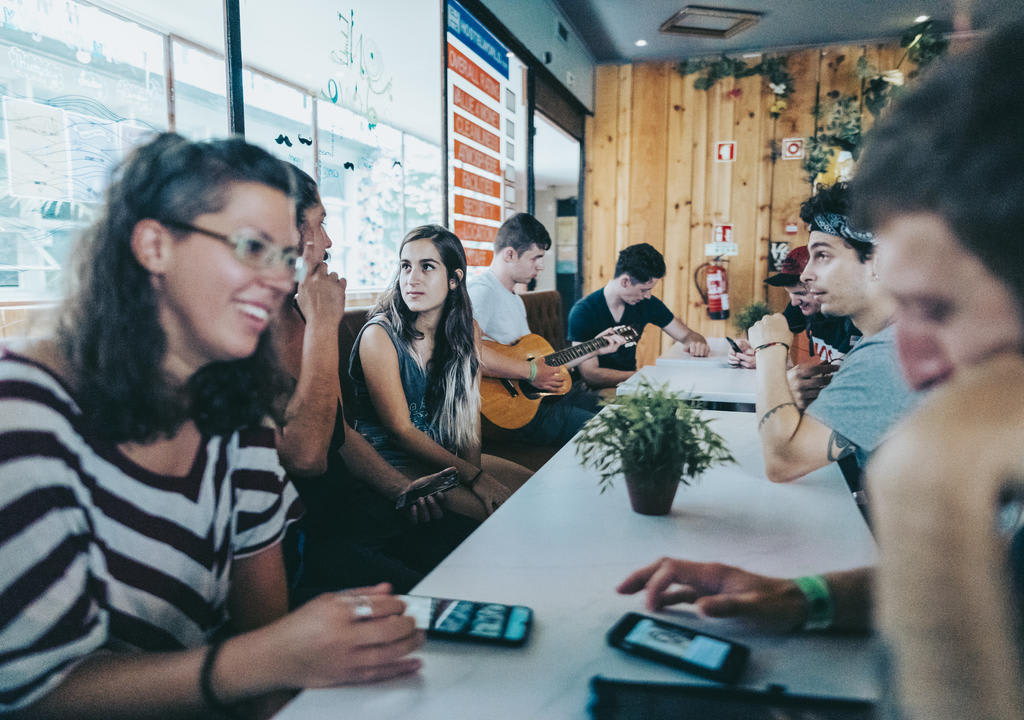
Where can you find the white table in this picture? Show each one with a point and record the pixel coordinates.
(710, 380)
(718, 356)
(560, 547)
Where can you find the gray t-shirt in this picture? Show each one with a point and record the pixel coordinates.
(499, 312)
(867, 396)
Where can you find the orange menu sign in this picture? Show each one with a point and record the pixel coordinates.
(476, 183)
(482, 160)
(474, 232)
(477, 208)
(470, 104)
(468, 69)
(476, 133)
(476, 258)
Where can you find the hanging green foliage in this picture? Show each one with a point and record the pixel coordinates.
(773, 69)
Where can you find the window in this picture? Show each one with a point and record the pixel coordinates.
(79, 88)
(279, 118)
(200, 92)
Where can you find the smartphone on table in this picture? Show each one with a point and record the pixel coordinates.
(680, 647)
(444, 481)
(468, 620)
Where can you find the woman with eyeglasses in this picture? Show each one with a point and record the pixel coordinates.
(141, 501)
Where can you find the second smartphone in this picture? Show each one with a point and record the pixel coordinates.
(681, 647)
(468, 620)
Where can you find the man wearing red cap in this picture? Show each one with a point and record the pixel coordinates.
(819, 340)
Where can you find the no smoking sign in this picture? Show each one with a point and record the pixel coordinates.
(793, 148)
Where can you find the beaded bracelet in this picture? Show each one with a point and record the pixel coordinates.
(770, 344)
(206, 684)
(820, 610)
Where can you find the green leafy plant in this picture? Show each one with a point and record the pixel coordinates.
(773, 69)
(923, 45)
(839, 120)
(750, 314)
(654, 432)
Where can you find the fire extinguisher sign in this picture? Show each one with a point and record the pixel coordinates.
(725, 151)
(721, 244)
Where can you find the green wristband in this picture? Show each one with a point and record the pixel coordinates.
(820, 610)
(533, 370)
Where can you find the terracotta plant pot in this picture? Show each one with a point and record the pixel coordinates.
(652, 493)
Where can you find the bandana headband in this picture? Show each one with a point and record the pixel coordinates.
(836, 224)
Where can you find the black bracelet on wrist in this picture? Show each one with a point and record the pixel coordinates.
(206, 684)
(473, 480)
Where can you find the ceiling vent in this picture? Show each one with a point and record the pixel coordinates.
(709, 22)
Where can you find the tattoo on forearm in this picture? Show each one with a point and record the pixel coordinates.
(764, 418)
(839, 447)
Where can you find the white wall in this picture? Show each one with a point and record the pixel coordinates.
(545, 208)
(535, 23)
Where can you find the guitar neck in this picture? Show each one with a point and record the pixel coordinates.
(576, 351)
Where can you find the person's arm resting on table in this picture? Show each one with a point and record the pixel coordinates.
(793, 443)
(777, 604)
(691, 340)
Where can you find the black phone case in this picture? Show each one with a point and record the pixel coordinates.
(735, 663)
(445, 483)
(613, 699)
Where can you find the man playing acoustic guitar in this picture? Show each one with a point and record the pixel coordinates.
(627, 300)
(519, 250)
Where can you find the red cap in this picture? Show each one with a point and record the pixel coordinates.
(791, 268)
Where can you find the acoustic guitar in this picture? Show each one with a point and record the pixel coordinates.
(510, 404)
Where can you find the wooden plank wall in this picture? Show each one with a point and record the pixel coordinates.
(651, 176)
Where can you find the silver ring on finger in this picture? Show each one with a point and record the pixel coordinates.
(362, 608)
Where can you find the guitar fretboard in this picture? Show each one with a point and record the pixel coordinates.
(577, 351)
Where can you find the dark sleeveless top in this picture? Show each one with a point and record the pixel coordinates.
(414, 383)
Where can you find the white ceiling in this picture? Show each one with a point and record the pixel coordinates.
(610, 28)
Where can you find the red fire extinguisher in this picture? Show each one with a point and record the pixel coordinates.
(716, 294)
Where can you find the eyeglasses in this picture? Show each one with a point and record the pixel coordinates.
(251, 249)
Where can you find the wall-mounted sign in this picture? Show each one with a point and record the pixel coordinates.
(792, 148)
(722, 249)
(779, 252)
(725, 151)
(482, 115)
(721, 242)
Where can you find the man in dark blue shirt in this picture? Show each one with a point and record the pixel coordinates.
(627, 300)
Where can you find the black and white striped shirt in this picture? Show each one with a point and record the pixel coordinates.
(98, 552)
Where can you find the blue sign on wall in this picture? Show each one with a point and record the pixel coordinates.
(468, 29)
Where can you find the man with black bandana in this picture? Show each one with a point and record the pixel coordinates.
(868, 394)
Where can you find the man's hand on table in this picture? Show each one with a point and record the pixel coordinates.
(720, 591)
(696, 344)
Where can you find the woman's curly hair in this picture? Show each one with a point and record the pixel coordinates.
(109, 331)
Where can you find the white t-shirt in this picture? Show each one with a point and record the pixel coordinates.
(499, 312)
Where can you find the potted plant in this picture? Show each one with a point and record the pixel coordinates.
(750, 314)
(656, 439)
